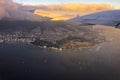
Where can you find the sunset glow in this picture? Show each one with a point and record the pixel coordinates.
(68, 11)
(113, 3)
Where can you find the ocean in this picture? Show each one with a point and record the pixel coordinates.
(19, 61)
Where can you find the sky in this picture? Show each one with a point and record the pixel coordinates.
(114, 3)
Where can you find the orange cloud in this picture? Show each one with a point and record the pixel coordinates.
(75, 7)
(69, 10)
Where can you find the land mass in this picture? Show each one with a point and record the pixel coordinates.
(58, 34)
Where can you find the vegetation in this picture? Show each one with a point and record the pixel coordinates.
(67, 43)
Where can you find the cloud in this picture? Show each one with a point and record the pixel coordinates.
(66, 11)
(72, 7)
(6, 6)
(76, 6)
(11, 10)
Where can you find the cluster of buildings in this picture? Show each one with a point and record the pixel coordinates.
(8, 38)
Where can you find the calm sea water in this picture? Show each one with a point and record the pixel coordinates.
(28, 62)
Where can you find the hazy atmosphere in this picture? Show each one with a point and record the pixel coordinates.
(59, 40)
(56, 9)
(12, 10)
(114, 3)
